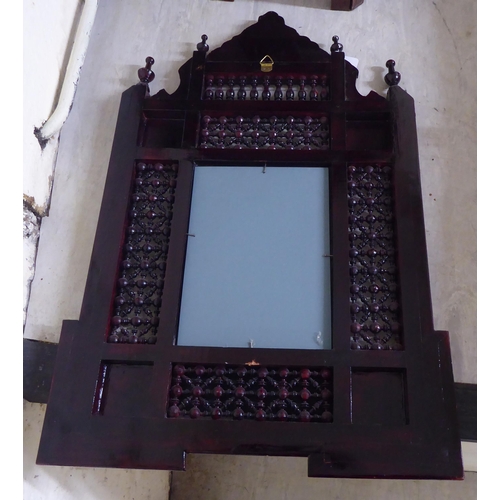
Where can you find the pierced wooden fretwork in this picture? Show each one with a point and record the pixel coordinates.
(375, 322)
(265, 133)
(144, 255)
(266, 87)
(282, 394)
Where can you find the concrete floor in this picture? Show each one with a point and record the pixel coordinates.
(212, 477)
(79, 483)
(434, 45)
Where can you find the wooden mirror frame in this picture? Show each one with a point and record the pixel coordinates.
(380, 403)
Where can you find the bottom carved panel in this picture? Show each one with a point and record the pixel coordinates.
(283, 394)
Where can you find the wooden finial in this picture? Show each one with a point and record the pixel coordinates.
(203, 46)
(393, 77)
(146, 74)
(336, 46)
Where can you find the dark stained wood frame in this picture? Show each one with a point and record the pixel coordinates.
(136, 433)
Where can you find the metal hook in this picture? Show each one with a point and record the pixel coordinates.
(266, 64)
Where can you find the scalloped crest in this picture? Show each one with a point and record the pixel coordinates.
(269, 35)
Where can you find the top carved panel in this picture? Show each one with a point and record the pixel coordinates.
(295, 61)
(269, 35)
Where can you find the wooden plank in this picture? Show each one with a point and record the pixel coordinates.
(466, 397)
(38, 366)
(337, 4)
(345, 4)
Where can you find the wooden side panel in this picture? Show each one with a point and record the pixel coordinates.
(410, 227)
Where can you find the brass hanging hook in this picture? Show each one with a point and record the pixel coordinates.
(266, 64)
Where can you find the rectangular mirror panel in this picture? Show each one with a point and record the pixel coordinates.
(256, 274)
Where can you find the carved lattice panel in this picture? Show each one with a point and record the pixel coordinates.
(265, 133)
(375, 322)
(293, 394)
(142, 268)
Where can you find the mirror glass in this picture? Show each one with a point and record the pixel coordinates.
(256, 274)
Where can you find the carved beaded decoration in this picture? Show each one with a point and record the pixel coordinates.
(142, 268)
(374, 282)
(265, 133)
(293, 394)
(266, 87)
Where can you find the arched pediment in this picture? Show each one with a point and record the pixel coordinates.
(291, 53)
(269, 35)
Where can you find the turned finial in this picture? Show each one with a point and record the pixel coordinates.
(336, 46)
(393, 77)
(203, 46)
(146, 74)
